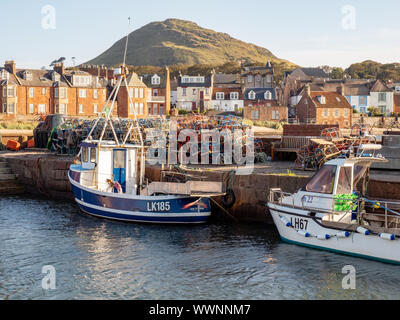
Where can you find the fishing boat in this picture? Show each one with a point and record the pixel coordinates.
(108, 178)
(332, 212)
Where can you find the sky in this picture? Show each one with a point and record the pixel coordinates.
(308, 33)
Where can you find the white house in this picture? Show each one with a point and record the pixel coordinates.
(227, 93)
(194, 92)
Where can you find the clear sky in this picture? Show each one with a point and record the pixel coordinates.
(308, 32)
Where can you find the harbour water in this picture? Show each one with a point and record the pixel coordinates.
(99, 259)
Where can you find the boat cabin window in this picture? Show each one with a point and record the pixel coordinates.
(85, 154)
(323, 181)
(119, 159)
(93, 155)
(359, 171)
(344, 182)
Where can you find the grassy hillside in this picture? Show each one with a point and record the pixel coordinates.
(176, 41)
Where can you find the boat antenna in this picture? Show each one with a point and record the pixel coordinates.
(127, 40)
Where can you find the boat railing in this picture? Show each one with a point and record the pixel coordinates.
(276, 195)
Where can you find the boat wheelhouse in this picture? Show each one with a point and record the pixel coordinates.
(332, 212)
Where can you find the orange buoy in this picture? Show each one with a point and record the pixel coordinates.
(13, 145)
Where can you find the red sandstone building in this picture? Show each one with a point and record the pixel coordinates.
(159, 93)
(135, 101)
(325, 108)
(26, 92)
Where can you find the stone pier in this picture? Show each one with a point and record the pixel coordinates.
(47, 174)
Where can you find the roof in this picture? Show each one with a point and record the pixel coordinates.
(312, 72)
(379, 86)
(352, 88)
(134, 81)
(332, 100)
(224, 78)
(147, 80)
(206, 84)
(260, 92)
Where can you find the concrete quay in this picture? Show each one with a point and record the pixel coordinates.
(47, 174)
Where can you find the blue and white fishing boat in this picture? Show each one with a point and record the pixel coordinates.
(332, 212)
(109, 180)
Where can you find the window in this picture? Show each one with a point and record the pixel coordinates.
(31, 92)
(275, 115)
(161, 110)
(31, 108)
(155, 93)
(119, 159)
(194, 91)
(41, 108)
(93, 155)
(337, 113)
(220, 96)
(44, 91)
(250, 79)
(141, 91)
(62, 108)
(344, 182)
(184, 92)
(268, 95)
(11, 108)
(323, 181)
(60, 93)
(85, 154)
(131, 108)
(234, 95)
(4, 91)
(95, 94)
(4, 107)
(155, 79)
(252, 95)
(81, 108)
(136, 108)
(141, 108)
(95, 108)
(11, 91)
(382, 97)
(382, 109)
(207, 91)
(255, 114)
(346, 112)
(363, 100)
(82, 93)
(136, 93)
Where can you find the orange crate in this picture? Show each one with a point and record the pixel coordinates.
(31, 143)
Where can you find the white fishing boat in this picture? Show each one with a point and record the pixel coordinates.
(108, 179)
(333, 213)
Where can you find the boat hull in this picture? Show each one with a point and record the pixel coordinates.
(167, 209)
(355, 244)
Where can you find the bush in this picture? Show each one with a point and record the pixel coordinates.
(182, 112)
(248, 122)
(270, 124)
(18, 125)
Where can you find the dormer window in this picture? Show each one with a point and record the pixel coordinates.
(321, 99)
(155, 80)
(252, 95)
(268, 95)
(220, 95)
(4, 75)
(26, 75)
(55, 77)
(250, 78)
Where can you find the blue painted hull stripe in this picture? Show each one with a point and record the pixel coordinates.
(134, 218)
(340, 252)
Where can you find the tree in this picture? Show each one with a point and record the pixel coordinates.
(337, 73)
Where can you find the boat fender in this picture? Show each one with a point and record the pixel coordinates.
(304, 233)
(363, 231)
(286, 222)
(343, 234)
(229, 199)
(388, 236)
(324, 237)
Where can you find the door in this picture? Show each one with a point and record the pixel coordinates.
(119, 168)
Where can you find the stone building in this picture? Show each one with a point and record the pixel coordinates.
(158, 93)
(227, 93)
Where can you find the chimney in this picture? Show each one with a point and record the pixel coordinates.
(59, 67)
(340, 89)
(11, 67)
(308, 89)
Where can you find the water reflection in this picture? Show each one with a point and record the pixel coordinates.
(98, 259)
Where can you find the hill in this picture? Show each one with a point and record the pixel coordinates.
(176, 41)
(374, 70)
